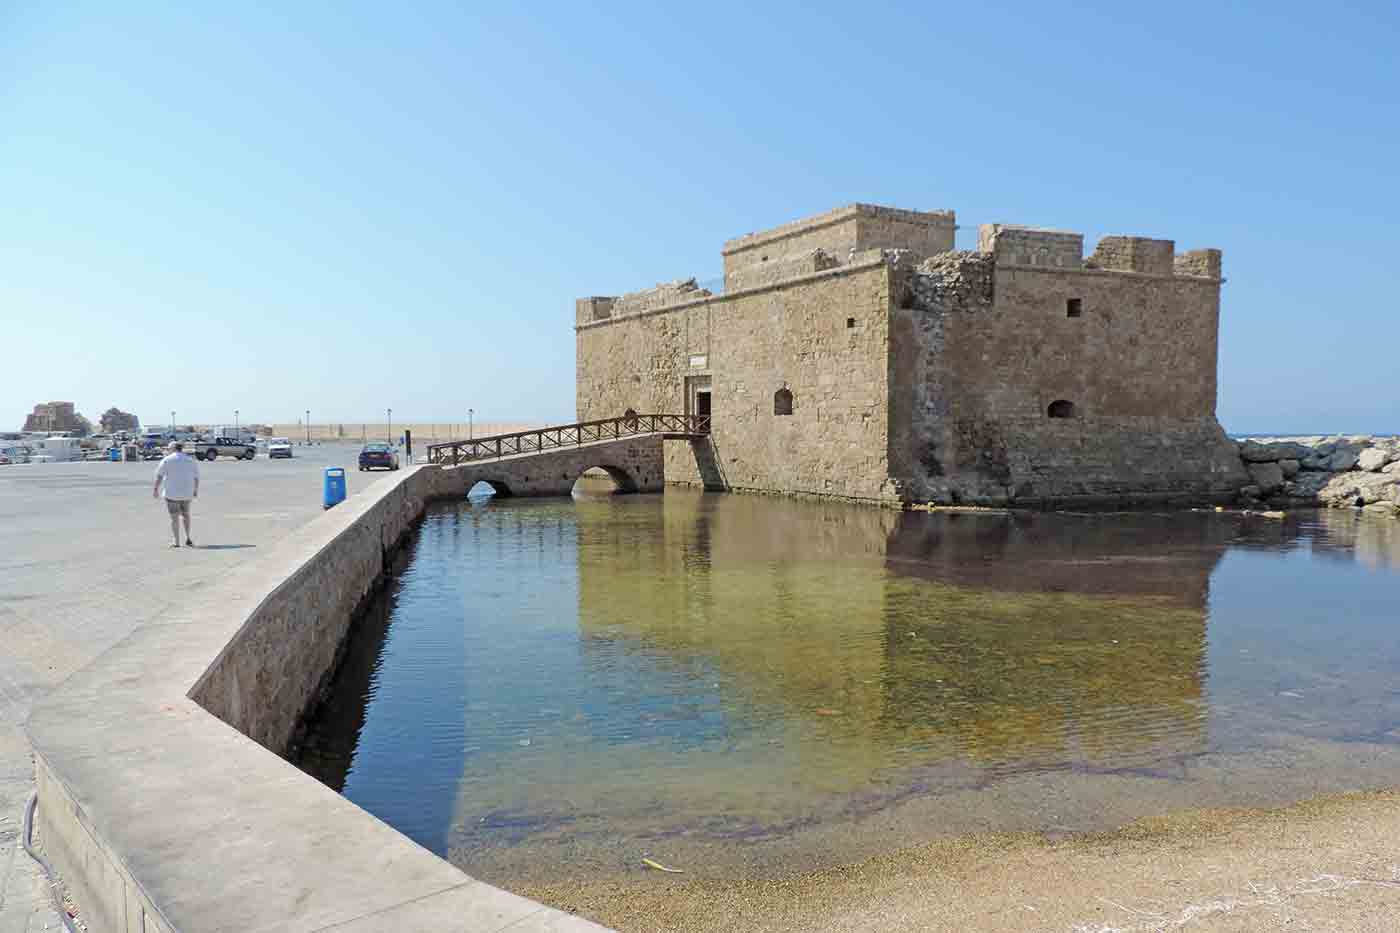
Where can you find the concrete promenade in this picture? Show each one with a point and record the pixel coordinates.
(85, 559)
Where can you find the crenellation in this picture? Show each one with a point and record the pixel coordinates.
(1204, 263)
(597, 308)
(1031, 246)
(659, 296)
(1134, 254)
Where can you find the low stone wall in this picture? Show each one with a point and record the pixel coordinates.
(161, 817)
(267, 676)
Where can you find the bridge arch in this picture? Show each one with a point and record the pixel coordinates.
(623, 481)
(490, 487)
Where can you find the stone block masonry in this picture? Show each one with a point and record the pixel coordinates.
(855, 354)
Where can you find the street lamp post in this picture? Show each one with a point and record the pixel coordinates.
(389, 425)
(172, 424)
(308, 427)
(237, 434)
(470, 415)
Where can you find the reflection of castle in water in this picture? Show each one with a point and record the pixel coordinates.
(735, 662)
(989, 638)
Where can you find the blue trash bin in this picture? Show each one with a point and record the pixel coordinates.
(334, 487)
(114, 454)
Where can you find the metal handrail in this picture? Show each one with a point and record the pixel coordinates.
(554, 437)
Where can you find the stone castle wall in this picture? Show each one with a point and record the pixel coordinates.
(1017, 373)
(821, 337)
(984, 344)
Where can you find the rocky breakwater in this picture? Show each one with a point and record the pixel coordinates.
(1334, 472)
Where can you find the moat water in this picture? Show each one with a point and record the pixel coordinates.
(739, 684)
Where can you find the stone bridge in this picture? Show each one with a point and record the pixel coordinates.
(634, 463)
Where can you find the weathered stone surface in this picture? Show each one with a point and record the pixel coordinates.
(1372, 459)
(823, 340)
(1349, 488)
(1267, 476)
(1344, 459)
(1290, 468)
(1318, 462)
(1391, 467)
(1255, 452)
(1308, 483)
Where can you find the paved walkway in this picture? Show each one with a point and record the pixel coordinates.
(84, 560)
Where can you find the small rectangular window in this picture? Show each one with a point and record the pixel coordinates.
(1074, 307)
(850, 322)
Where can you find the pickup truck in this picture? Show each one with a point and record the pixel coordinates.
(224, 447)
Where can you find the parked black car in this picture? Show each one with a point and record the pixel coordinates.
(379, 456)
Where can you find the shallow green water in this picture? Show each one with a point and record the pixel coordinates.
(562, 685)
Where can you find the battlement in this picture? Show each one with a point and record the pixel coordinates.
(603, 307)
(856, 232)
(597, 308)
(1200, 262)
(1135, 254)
(1061, 249)
(1032, 246)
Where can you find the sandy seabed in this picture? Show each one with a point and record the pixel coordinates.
(1329, 862)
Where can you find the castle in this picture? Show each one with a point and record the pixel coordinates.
(857, 354)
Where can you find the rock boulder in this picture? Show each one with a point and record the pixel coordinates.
(1346, 489)
(1372, 459)
(1267, 476)
(1344, 459)
(1255, 452)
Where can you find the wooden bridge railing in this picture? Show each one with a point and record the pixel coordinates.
(554, 437)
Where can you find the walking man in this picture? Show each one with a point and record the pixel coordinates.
(180, 474)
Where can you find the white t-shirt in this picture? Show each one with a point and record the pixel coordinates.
(180, 473)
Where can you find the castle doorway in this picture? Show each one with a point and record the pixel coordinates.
(698, 396)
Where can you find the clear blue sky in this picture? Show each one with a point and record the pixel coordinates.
(348, 206)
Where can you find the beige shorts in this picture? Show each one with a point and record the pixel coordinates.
(178, 507)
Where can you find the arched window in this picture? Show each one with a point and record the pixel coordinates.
(1060, 409)
(782, 402)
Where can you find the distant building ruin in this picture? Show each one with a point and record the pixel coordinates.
(55, 416)
(857, 354)
(114, 419)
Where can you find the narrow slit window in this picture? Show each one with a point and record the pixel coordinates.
(782, 402)
(850, 322)
(1074, 307)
